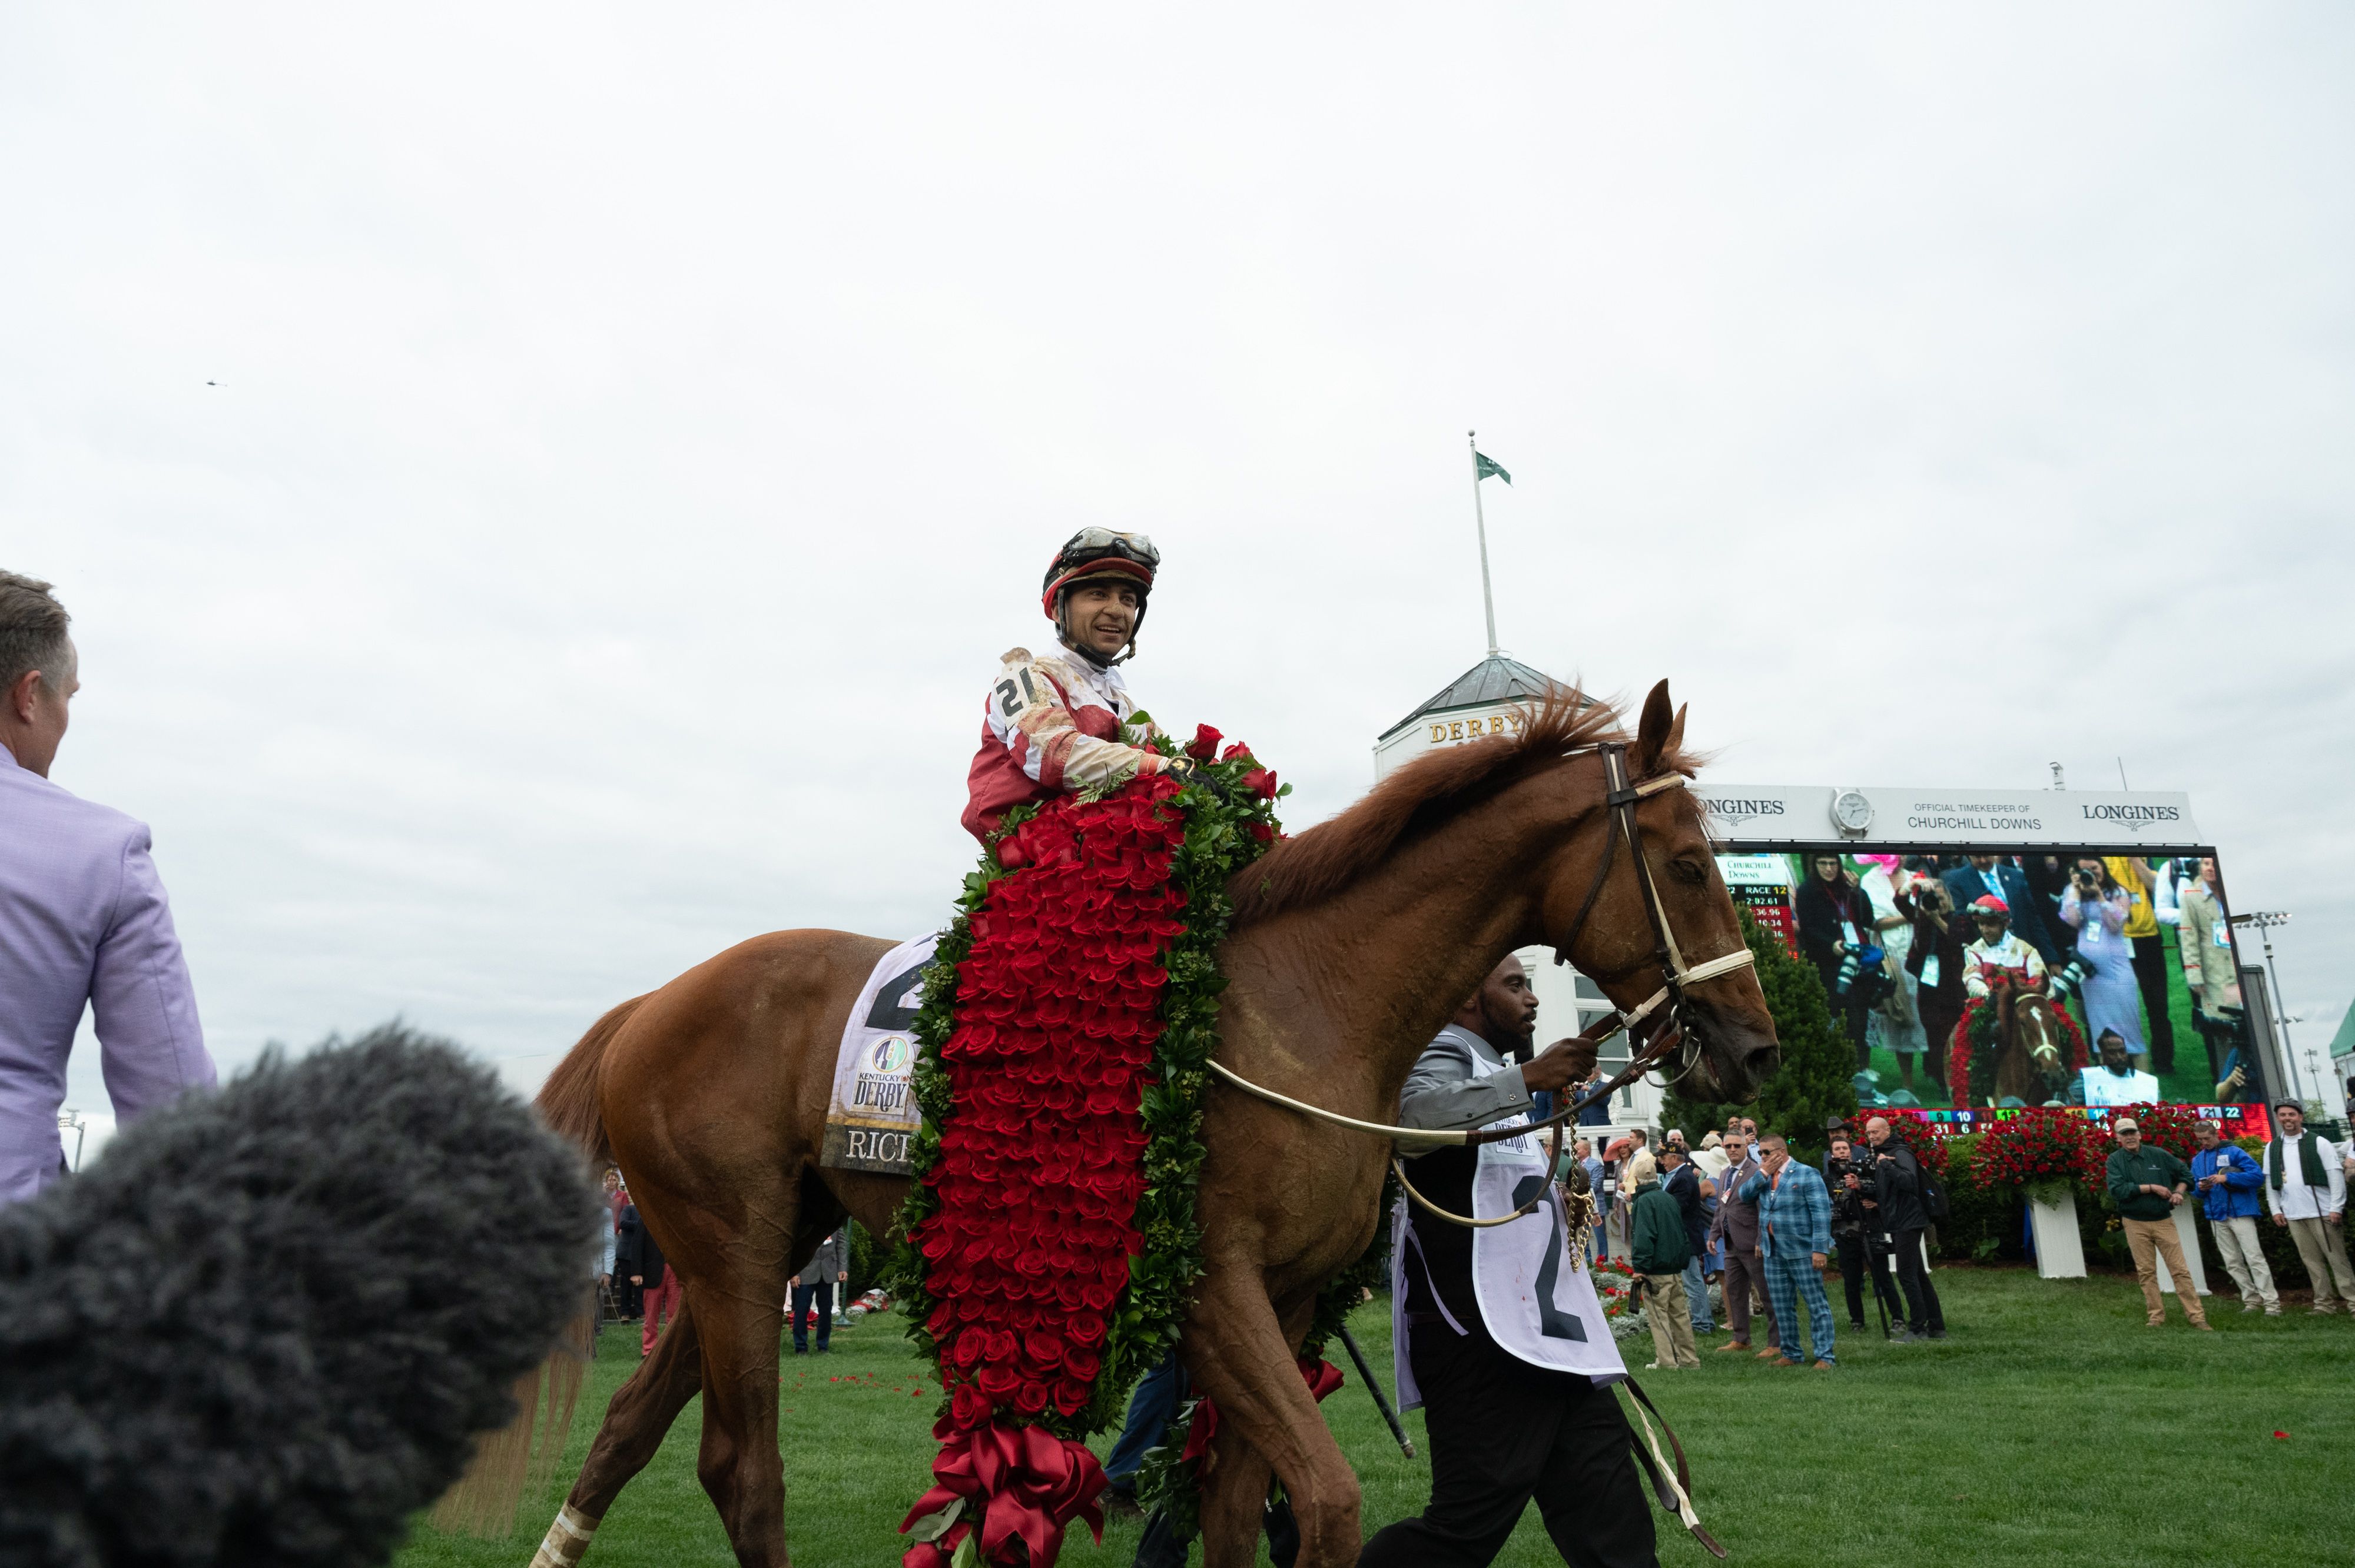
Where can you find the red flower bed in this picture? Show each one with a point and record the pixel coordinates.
(2163, 1127)
(2042, 1146)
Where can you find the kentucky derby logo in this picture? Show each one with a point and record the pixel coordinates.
(882, 1086)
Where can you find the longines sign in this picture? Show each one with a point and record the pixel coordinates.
(1776, 813)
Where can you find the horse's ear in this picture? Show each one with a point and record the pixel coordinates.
(1654, 734)
(1677, 730)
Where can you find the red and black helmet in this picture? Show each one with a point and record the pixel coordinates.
(1100, 553)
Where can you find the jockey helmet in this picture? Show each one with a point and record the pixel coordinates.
(1095, 554)
(1987, 906)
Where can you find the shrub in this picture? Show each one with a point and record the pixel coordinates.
(1813, 1083)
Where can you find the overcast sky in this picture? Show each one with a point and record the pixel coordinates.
(542, 493)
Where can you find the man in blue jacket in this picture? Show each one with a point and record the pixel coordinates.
(2231, 1183)
(1794, 1232)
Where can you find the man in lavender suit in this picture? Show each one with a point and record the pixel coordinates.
(83, 919)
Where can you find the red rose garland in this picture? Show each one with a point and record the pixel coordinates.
(1042, 1270)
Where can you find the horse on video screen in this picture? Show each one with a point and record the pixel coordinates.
(1352, 943)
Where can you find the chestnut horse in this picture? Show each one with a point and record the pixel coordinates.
(1352, 944)
(2029, 1068)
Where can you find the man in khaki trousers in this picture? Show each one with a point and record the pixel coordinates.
(2146, 1184)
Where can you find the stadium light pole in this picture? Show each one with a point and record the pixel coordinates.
(2263, 922)
(71, 1120)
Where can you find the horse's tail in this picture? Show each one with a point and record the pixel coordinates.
(568, 1101)
(521, 1455)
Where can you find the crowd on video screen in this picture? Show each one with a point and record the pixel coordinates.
(2137, 948)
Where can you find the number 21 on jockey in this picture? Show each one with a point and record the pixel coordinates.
(1062, 720)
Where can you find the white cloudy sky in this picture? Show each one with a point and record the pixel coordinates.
(635, 437)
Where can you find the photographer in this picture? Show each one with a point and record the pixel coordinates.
(1857, 1231)
(1835, 922)
(1898, 1204)
(2097, 908)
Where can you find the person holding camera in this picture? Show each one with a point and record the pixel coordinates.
(1835, 922)
(1897, 1205)
(2096, 908)
(1857, 1232)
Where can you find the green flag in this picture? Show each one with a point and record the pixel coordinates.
(1483, 465)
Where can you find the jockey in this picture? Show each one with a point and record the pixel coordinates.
(1063, 720)
(1997, 948)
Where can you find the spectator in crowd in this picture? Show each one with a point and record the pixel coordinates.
(1681, 1182)
(1597, 1112)
(607, 1295)
(1989, 876)
(1735, 1232)
(814, 1290)
(2305, 1187)
(1794, 1239)
(2096, 908)
(1862, 1251)
(1709, 1157)
(2114, 1080)
(2230, 1180)
(629, 1300)
(1658, 1251)
(2205, 935)
(1502, 1430)
(2140, 881)
(1996, 948)
(639, 1257)
(1592, 1164)
(2147, 1183)
(1898, 1207)
(1897, 1021)
(1936, 960)
(1835, 920)
(83, 919)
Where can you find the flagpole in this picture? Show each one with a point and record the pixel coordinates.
(1480, 521)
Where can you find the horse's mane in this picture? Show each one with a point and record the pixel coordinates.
(1437, 786)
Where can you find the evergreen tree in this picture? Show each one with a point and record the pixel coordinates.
(1814, 1080)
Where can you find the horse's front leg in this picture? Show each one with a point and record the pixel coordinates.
(1241, 1357)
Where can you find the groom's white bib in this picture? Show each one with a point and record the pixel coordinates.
(1535, 1293)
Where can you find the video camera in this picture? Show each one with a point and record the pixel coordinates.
(2069, 980)
(1860, 973)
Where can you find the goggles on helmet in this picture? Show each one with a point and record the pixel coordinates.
(1100, 552)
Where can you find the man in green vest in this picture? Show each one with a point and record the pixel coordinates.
(2147, 1183)
(2307, 1191)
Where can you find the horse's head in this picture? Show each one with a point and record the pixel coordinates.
(1730, 1034)
(2033, 1029)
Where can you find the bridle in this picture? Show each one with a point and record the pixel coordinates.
(1676, 975)
(1672, 1029)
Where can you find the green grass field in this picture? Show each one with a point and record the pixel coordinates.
(2052, 1427)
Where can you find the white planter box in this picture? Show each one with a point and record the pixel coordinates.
(2189, 1232)
(2058, 1254)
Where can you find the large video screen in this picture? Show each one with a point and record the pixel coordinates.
(2132, 956)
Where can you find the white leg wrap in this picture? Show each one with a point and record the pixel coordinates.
(567, 1538)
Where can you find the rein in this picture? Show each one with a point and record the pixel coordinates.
(1620, 801)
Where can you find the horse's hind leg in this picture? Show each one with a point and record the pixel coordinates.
(1240, 1356)
(635, 1425)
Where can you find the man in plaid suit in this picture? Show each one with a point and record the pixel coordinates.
(1795, 1232)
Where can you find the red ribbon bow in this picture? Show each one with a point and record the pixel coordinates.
(1021, 1481)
